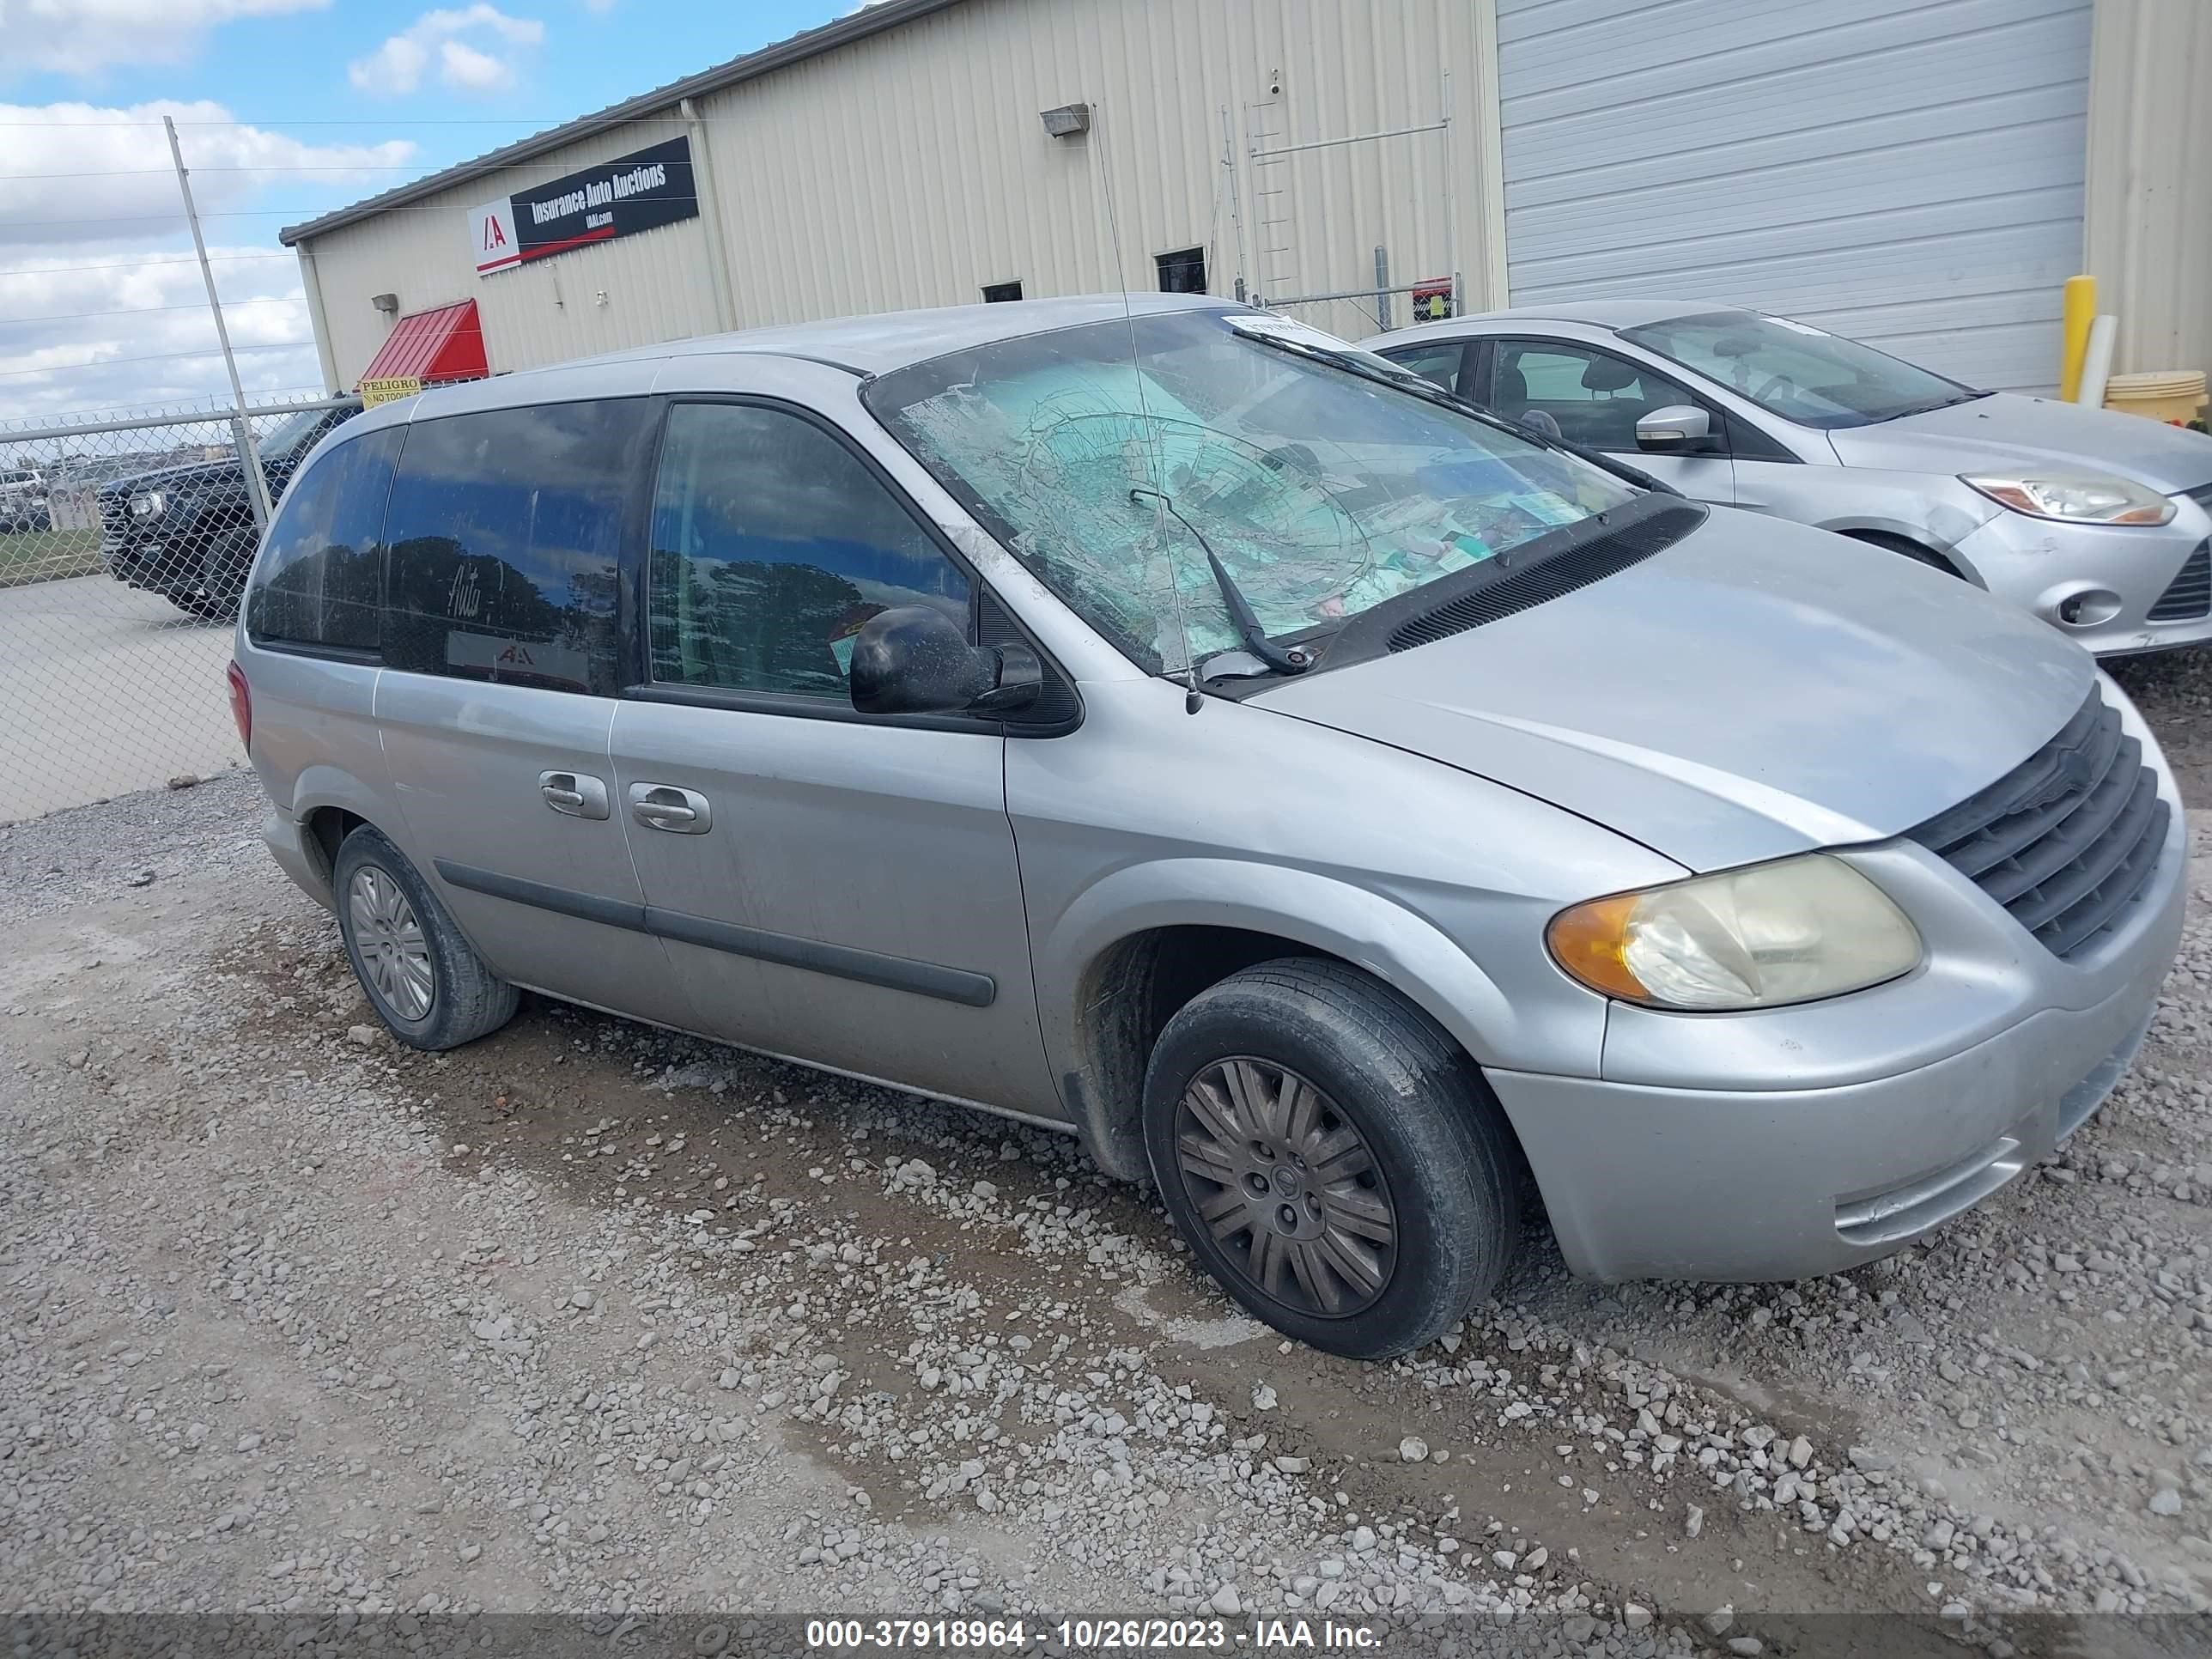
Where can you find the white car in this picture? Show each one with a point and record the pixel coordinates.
(23, 504)
(2100, 524)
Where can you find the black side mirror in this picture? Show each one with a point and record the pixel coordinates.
(915, 659)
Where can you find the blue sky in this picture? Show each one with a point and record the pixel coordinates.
(286, 108)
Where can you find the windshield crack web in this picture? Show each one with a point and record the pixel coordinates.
(1313, 529)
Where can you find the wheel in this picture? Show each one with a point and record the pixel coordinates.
(424, 980)
(222, 576)
(1333, 1159)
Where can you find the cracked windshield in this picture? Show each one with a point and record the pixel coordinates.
(1322, 494)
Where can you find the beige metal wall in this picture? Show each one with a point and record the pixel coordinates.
(2149, 229)
(910, 167)
(655, 284)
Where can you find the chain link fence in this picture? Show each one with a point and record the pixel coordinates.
(123, 547)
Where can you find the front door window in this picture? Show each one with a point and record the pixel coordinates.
(1596, 397)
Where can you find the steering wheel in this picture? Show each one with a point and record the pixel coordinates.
(1772, 382)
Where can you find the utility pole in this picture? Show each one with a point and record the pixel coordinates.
(257, 487)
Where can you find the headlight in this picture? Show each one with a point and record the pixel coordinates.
(150, 504)
(2074, 497)
(1789, 931)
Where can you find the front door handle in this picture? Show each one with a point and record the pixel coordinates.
(664, 807)
(575, 794)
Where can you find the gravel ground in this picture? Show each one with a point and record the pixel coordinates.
(591, 1317)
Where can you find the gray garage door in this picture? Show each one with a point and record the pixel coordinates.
(1906, 171)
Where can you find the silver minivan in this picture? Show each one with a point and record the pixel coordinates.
(1154, 720)
(2098, 523)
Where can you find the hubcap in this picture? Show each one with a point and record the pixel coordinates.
(389, 941)
(1287, 1187)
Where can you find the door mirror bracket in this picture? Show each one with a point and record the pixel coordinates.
(915, 659)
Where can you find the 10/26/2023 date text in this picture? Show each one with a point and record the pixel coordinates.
(1088, 1635)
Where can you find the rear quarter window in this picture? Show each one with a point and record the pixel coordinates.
(320, 579)
(506, 531)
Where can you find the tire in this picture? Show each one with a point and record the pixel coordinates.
(1443, 1172)
(425, 980)
(222, 577)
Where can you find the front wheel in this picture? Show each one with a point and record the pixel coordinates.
(1333, 1159)
(220, 586)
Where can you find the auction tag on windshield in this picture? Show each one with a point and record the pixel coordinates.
(1286, 328)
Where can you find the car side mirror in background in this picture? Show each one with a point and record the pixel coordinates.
(1677, 430)
(915, 659)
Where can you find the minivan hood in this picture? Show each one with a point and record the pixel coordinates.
(1758, 688)
(2004, 431)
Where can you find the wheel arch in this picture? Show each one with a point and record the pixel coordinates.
(1141, 944)
(1911, 545)
(329, 803)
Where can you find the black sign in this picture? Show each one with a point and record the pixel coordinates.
(643, 190)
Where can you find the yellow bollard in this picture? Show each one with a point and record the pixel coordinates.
(2079, 311)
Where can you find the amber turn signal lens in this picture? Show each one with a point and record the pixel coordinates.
(1590, 942)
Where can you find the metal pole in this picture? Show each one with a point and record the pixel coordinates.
(1382, 287)
(1349, 138)
(256, 488)
(1235, 205)
(1451, 190)
(710, 218)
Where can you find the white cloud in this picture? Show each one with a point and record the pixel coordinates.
(465, 66)
(84, 36)
(101, 305)
(81, 173)
(158, 348)
(396, 68)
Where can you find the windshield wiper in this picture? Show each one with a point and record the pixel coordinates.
(1428, 391)
(1952, 402)
(1292, 659)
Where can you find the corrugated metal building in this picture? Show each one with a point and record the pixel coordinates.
(1920, 173)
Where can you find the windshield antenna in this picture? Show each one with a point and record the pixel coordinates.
(1192, 700)
(1296, 660)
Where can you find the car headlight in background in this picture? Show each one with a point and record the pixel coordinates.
(2074, 497)
(1793, 931)
(150, 504)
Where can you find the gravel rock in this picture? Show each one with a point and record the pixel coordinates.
(295, 1323)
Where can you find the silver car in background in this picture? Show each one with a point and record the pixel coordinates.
(2100, 524)
(1153, 719)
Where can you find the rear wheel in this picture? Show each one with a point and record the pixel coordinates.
(425, 980)
(1333, 1158)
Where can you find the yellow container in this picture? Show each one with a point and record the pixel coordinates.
(2166, 395)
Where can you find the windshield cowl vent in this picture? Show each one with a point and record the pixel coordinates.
(1578, 566)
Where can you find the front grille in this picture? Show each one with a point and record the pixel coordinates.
(114, 523)
(2189, 595)
(2066, 840)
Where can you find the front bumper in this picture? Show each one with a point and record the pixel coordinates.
(1737, 1185)
(1793, 1142)
(2117, 576)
